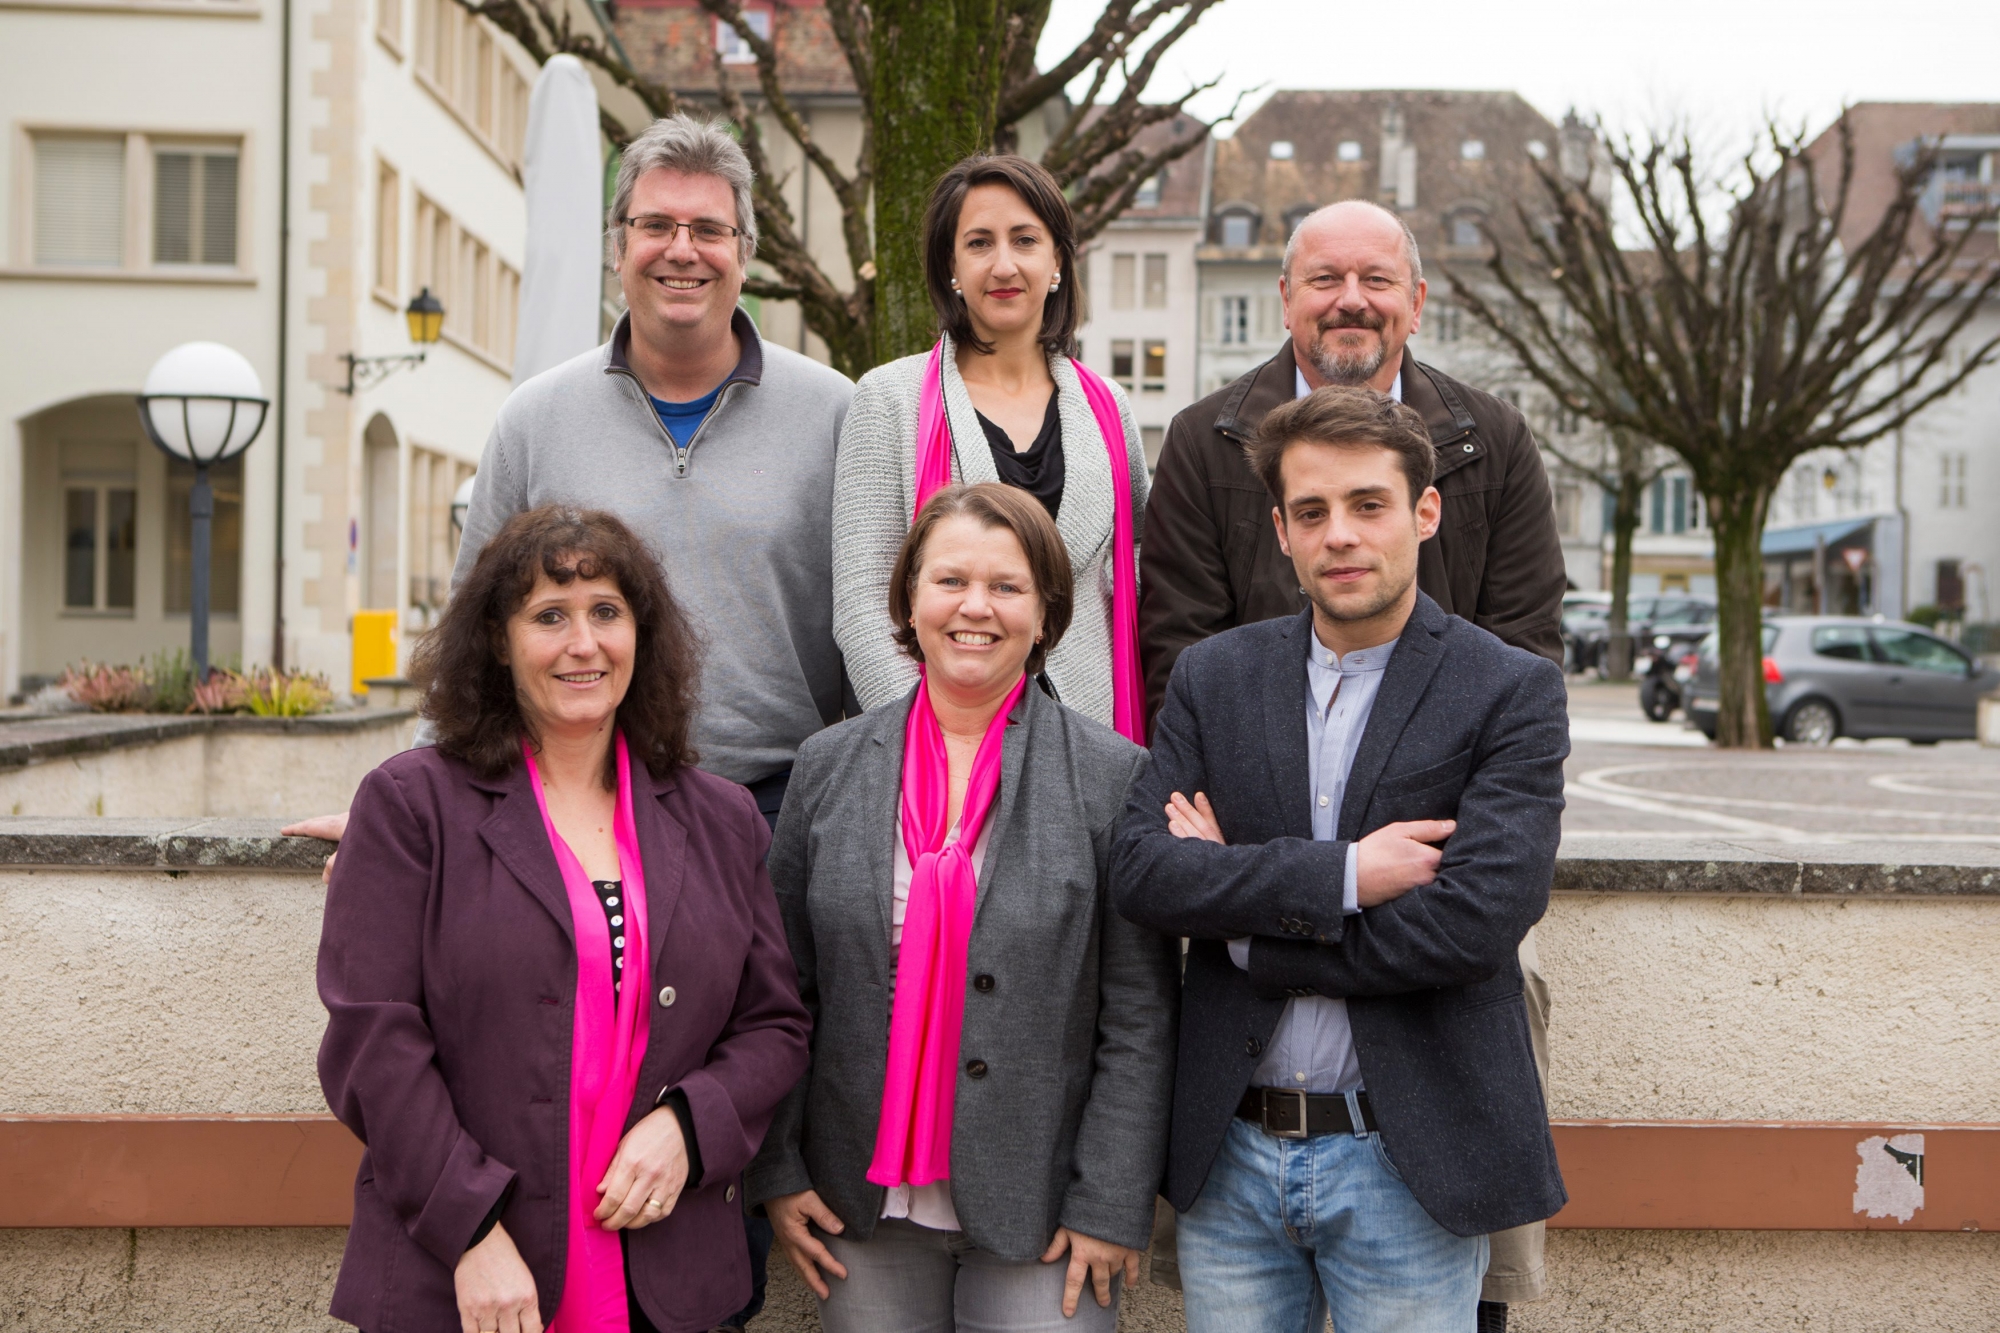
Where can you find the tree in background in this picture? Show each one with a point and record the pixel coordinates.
(1622, 466)
(1744, 331)
(937, 79)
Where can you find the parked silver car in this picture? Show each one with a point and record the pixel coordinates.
(1828, 676)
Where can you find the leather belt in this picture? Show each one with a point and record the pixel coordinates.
(1287, 1114)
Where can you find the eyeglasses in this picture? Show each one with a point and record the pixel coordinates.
(658, 227)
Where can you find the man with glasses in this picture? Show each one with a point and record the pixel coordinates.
(717, 448)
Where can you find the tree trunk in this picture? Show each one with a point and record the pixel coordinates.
(1743, 717)
(937, 93)
(1625, 504)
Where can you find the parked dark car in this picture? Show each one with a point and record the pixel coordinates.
(1828, 676)
(1677, 614)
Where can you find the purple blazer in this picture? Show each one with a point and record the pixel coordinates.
(448, 970)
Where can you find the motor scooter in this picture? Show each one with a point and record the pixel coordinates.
(1663, 673)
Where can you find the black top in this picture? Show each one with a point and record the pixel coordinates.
(610, 897)
(1038, 469)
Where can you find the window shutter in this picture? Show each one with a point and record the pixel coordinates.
(218, 208)
(80, 201)
(173, 208)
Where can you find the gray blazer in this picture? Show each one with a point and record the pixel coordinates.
(1069, 1009)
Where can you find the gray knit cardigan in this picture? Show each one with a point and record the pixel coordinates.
(874, 484)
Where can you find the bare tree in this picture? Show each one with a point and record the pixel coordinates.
(1622, 467)
(936, 79)
(1756, 322)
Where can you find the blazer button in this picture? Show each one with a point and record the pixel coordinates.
(975, 1069)
(667, 997)
(1254, 1046)
(729, 1195)
(982, 982)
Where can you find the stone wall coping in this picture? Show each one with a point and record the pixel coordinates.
(32, 738)
(1586, 864)
(1826, 868)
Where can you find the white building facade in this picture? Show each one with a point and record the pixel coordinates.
(174, 173)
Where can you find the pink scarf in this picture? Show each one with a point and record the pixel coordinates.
(913, 1137)
(604, 1062)
(933, 473)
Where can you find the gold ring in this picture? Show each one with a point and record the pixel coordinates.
(653, 1204)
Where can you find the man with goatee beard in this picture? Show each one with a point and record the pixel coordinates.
(1353, 290)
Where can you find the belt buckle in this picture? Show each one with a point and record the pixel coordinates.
(1298, 1133)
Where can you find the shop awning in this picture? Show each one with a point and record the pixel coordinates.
(1801, 541)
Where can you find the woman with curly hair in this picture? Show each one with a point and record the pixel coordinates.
(561, 1009)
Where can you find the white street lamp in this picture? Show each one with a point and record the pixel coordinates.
(203, 404)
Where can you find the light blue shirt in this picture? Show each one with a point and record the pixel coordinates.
(1313, 1048)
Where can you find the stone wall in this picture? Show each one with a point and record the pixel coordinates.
(161, 967)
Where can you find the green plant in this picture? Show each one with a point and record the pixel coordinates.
(1925, 615)
(270, 693)
(169, 674)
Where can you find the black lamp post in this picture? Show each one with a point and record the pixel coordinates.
(425, 314)
(203, 404)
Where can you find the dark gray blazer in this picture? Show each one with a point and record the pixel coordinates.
(1066, 1058)
(1464, 728)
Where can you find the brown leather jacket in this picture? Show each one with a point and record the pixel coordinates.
(1210, 559)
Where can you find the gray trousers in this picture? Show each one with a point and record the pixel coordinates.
(1516, 1272)
(911, 1279)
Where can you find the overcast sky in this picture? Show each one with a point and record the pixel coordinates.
(1726, 62)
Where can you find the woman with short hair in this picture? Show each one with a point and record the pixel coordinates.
(981, 1131)
(560, 1008)
(1001, 397)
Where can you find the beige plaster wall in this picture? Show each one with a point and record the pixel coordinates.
(1688, 1007)
(146, 992)
(179, 1280)
(218, 774)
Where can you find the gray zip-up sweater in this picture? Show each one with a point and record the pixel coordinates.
(741, 519)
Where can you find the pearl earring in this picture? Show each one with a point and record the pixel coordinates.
(1054, 284)
(954, 287)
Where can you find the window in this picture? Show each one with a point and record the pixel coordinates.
(100, 547)
(225, 539)
(1294, 216)
(1349, 150)
(1121, 362)
(1951, 481)
(434, 479)
(1148, 193)
(194, 206)
(1233, 314)
(1472, 150)
(1156, 282)
(1950, 586)
(1441, 319)
(389, 23)
(1568, 501)
(80, 200)
(729, 43)
(1904, 647)
(1237, 229)
(1847, 643)
(1281, 150)
(388, 230)
(1154, 371)
(1124, 281)
(1537, 149)
(1466, 233)
(459, 60)
(481, 294)
(1562, 421)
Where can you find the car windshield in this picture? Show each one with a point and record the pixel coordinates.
(1909, 648)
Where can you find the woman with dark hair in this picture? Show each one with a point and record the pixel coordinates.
(1000, 398)
(560, 1007)
(979, 1137)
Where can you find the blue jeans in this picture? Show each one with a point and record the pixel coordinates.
(1287, 1231)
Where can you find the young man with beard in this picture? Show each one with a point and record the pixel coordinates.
(1353, 289)
(1352, 814)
